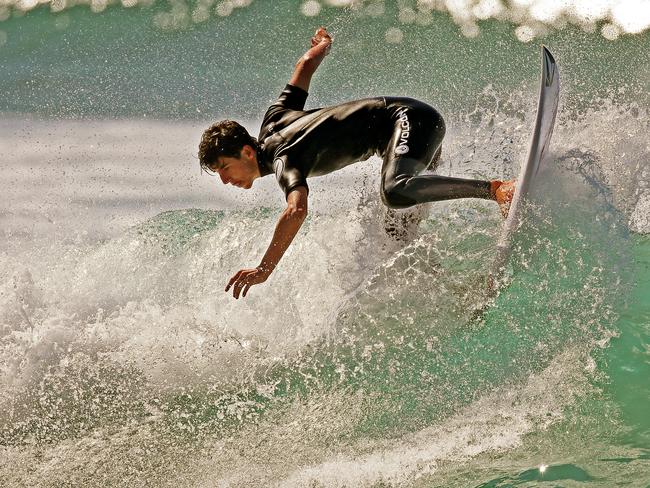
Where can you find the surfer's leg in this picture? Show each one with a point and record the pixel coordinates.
(415, 145)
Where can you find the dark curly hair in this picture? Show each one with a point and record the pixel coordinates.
(224, 138)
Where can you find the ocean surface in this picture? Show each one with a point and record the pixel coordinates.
(362, 361)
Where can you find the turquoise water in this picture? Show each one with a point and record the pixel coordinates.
(362, 362)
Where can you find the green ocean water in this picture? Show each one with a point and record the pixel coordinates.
(363, 362)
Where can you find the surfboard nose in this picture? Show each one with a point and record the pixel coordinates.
(548, 67)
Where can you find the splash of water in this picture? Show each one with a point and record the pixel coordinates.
(532, 18)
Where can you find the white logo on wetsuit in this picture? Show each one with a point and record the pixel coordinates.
(405, 133)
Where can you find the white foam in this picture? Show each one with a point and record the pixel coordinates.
(74, 280)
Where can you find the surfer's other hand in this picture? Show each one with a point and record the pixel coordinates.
(244, 279)
(503, 192)
(322, 36)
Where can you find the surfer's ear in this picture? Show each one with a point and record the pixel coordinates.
(247, 152)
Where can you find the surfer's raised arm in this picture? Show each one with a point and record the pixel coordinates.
(309, 62)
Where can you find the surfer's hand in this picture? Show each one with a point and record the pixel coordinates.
(503, 192)
(244, 279)
(322, 37)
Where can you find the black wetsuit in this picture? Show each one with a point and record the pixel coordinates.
(296, 144)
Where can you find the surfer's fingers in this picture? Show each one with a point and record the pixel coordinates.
(229, 284)
(243, 283)
(234, 279)
(320, 36)
(236, 291)
(245, 290)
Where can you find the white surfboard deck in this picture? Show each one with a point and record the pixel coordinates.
(546, 111)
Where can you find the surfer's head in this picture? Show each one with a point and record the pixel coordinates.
(228, 149)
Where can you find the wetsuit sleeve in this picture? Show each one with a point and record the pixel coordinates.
(288, 176)
(292, 97)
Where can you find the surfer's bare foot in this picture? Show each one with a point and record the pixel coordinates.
(503, 192)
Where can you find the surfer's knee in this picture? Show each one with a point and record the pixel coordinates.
(393, 195)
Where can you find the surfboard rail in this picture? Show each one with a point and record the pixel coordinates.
(547, 106)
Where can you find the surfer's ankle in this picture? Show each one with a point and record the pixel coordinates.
(494, 186)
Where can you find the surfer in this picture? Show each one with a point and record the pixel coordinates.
(295, 144)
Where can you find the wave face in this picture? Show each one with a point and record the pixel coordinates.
(362, 361)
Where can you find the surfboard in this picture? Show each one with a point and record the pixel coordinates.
(549, 96)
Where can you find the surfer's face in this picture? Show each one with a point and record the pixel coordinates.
(239, 171)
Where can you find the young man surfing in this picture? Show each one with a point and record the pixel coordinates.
(295, 144)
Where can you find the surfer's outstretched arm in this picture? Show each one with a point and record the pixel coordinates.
(311, 60)
(286, 229)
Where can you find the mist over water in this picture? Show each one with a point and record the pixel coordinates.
(362, 361)
(533, 17)
(118, 63)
